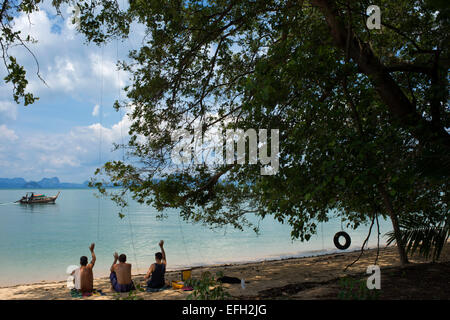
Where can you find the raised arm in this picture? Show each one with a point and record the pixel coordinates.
(116, 257)
(161, 245)
(94, 258)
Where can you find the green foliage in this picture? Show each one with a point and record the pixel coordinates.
(359, 121)
(90, 23)
(354, 289)
(10, 37)
(363, 115)
(207, 288)
(132, 295)
(17, 77)
(139, 288)
(423, 233)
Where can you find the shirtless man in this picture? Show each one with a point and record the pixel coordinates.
(85, 272)
(157, 269)
(121, 274)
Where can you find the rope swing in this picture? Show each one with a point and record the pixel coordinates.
(123, 158)
(100, 112)
(99, 203)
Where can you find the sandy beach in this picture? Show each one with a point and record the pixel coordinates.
(298, 278)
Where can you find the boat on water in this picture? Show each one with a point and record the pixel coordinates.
(31, 198)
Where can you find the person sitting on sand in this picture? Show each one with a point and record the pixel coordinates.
(157, 269)
(84, 277)
(121, 274)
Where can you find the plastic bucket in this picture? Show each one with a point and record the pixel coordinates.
(186, 274)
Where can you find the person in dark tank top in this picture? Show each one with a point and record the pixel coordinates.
(155, 274)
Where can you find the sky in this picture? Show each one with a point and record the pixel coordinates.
(70, 130)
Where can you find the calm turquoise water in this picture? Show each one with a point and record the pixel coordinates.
(38, 242)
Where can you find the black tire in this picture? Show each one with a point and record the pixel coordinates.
(347, 243)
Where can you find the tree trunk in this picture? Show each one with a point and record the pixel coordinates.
(394, 219)
(388, 89)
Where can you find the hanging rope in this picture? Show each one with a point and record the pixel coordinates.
(128, 214)
(132, 46)
(99, 202)
(321, 231)
(363, 245)
(378, 239)
(184, 242)
(132, 240)
(123, 158)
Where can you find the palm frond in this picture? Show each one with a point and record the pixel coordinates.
(419, 234)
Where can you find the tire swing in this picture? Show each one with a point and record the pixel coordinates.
(347, 238)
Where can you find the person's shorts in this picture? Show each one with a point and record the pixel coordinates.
(120, 287)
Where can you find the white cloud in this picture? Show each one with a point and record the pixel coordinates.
(66, 63)
(96, 110)
(59, 161)
(38, 26)
(7, 134)
(62, 74)
(77, 75)
(8, 110)
(105, 69)
(72, 156)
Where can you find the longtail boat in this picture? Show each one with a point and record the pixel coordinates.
(31, 198)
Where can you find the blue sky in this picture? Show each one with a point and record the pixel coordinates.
(59, 135)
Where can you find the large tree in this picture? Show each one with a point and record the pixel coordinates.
(362, 114)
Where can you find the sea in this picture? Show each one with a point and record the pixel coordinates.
(40, 242)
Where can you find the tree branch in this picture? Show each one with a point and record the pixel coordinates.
(390, 92)
(409, 67)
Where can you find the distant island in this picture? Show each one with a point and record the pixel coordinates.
(45, 183)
